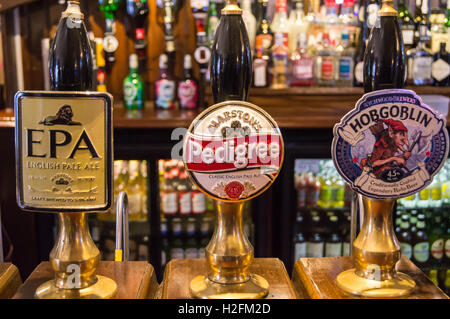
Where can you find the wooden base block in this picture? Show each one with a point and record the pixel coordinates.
(180, 272)
(9, 280)
(134, 279)
(315, 278)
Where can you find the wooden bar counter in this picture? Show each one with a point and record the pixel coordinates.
(180, 272)
(134, 279)
(315, 278)
(9, 280)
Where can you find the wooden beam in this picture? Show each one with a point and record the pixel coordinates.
(9, 4)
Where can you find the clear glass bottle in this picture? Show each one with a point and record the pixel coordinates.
(345, 57)
(421, 60)
(301, 64)
(297, 24)
(250, 22)
(280, 60)
(349, 21)
(325, 64)
(407, 25)
(332, 24)
(280, 23)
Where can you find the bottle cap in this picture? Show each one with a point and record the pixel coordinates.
(134, 63)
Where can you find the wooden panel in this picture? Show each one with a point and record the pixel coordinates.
(9, 280)
(9, 4)
(180, 272)
(315, 278)
(135, 279)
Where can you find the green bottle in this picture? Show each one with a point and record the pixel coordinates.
(133, 87)
(211, 22)
(108, 7)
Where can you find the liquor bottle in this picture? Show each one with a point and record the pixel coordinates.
(315, 243)
(231, 60)
(299, 238)
(436, 239)
(349, 21)
(280, 23)
(333, 243)
(413, 219)
(190, 250)
(358, 76)
(421, 246)
(407, 25)
(315, 24)
(384, 59)
(176, 245)
(280, 60)
(447, 282)
(420, 61)
(71, 55)
(188, 88)
(110, 42)
(347, 238)
(205, 236)
(332, 22)
(438, 28)
(198, 201)
(169, 200)
(144, 189)
(250, 22)
(325, 63)
(440, 69)
(433, 276)
(302, 71)
(422, 21)
(165, 253)
(165, 86)
(297, 25)
(263, 45)
(184, 200)
(138, 10)
(404, 237)
(134, 191)
(372, 8)
(345, 57)
(211, 22)
(133, 86)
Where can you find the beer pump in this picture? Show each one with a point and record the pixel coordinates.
(389, 147)
(233, 152)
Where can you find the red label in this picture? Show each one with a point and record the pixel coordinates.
(231, 154)
(327, 68)
(140, 33)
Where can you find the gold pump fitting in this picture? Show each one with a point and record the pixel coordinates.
(387, 9)
(231, 7)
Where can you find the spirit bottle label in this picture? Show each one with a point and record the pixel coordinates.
(440, 70)
(390, 145)
(165, 93)
(64, 151)
(187, 94)
(233, 151)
